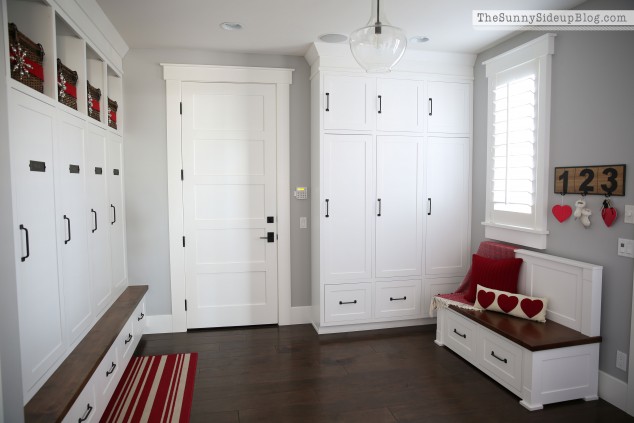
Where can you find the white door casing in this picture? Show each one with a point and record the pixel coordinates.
(175, 76)
(228, 147)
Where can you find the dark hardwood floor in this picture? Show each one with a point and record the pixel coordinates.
(291, 374)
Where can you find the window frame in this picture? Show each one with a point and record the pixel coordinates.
(539, 51)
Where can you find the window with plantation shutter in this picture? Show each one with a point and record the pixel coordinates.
(518, 144)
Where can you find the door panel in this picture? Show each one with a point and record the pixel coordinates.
(401, 105)
(229, 190)
(449, 107)
(116, 220)
(349, 102)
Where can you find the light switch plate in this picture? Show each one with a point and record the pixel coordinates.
(626, 247)
(629, 214)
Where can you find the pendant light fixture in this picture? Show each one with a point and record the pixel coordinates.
(378, 46)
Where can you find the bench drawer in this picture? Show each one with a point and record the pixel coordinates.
(126, 340)
(501, 359)
(350, 301)
(397, 299)
(460, 336)
(107, 376)
(85, 408)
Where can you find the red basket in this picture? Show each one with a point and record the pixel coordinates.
(26, 59)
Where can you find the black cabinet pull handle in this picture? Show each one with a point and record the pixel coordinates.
(460, 334)
(347, 302)
(327, 208)
(95, 213)
(379, 213)
(138, 319)
(380, 104)
(28, 247)
(128, 339)
(398, 299)
(431, 106)
(109, 372)
(327, 102)
(114, 214)
(67, 219)
(503, 360)
(86, 414)
(429, 207)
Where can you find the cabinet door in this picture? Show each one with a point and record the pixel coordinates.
(449, 107)
(98, 212)
(399, 206)
(401, 105)
(71, 223)
(116, 221)
(348, 102)
(32, 132)
(347, 207)
(448, 171)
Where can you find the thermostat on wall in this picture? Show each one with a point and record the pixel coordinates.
(301, 193)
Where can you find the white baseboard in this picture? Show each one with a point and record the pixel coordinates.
(300, 315)
(159, 324)
(613, 390)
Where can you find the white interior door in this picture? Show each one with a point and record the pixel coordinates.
(229, 203)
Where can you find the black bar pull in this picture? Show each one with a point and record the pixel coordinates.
(403, 298)
(111, 371)
(431, 106)
(347, 302)
(327, 102)
(380, 104)
(327, 207)
(128, 339)
(463, 335)
(114, 214)
(379, 214)
(429, 207)
(28, 247)
(67, 219)
(138, 319)
(503, 360)
(95, 213)
(86, 414)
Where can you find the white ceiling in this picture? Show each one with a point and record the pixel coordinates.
(289, 26)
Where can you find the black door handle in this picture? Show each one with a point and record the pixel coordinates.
(380, 104)
(347, 302)
(140, 317)
(28, 247)
(327, 207)
(67, 219)
(379, 214)
(128, 339)
(327, 102)
(429, 207)
(114, 214)
(111, 371)
(431, 106)
(95, 213)
(86, 414)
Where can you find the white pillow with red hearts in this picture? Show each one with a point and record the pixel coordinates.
(531, 308)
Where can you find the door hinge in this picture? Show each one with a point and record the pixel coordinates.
(183, 240)
(185, 305)
(181, 107)
(182, 175)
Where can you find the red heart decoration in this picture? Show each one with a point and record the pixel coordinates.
(531, 307)
(609, 215)
(562, 212)
(486, 298)
(507, 302)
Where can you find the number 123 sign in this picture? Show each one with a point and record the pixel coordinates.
(590, 180)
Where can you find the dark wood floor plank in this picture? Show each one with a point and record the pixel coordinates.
(291, 374)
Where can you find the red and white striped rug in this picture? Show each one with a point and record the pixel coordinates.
(154, 389)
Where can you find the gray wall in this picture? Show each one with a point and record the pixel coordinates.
(145, 155)
(592, 123)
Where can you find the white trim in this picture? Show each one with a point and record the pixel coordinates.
(613, 390)
(300, 315)
(518, 236)
(630, 374)
(158, 324)
(540, 46)
(355, 327)
(174, 75)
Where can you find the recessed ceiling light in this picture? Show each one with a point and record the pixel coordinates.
(419, 39)
(333, 38)
(231, 26)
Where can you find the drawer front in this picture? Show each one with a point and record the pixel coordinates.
(138, 319)
(106, 377)
(502, 359)
(346, 302)
(126, 340)
(460, 336)
(84, 410)
(397, 299)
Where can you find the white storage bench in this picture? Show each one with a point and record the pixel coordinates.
(541, 363)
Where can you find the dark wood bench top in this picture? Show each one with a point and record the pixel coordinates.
(60, 391)
(534, 336)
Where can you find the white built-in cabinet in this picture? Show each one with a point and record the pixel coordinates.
(66, 167)
(391, 172)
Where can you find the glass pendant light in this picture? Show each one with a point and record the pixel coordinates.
(378, 46)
